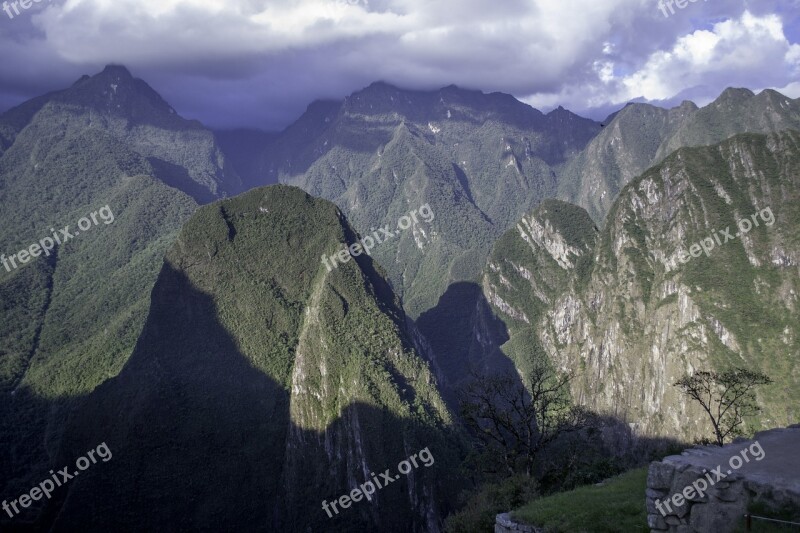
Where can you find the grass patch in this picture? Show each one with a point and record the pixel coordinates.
(619, 505)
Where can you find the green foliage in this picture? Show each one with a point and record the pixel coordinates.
(24, 297)
(252, 345)
(480, 506)
(727, 397)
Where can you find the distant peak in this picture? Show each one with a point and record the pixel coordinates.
(380, 85)
(376, 89)
(118, 70)
(453, 88)
(732, 93)
(772, 94)
(115, 91)
(560, 111)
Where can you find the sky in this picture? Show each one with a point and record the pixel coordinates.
(259, 63)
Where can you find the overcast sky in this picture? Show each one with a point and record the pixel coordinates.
(259, 63)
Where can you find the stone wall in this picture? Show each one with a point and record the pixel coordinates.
(768, 471)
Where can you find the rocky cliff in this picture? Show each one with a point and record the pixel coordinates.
(637, 316)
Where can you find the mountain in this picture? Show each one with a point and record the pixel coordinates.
(482, 161)
(262, 384)
(479, 160)
(107, 147)
(182, 152)
(248, 376)
(641, 135)
(621, 309)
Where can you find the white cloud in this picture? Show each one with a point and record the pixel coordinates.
(792, 90)
(744, 51)
(551, 37)
(278, 55)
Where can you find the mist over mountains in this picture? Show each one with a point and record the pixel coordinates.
(201, 337)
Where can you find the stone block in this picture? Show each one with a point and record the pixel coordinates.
(734, 492)
(656, 522)
(719, 517)
(659, 475)
(686, 478)
(650, 500)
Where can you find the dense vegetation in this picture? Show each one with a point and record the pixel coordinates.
(264, 383)
(71, 319)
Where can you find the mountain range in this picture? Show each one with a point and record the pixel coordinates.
(202, 338)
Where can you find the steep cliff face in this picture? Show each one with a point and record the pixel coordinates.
(547, 254)
(262, 384)
(642, 318)
(641, 135)
(628, 144)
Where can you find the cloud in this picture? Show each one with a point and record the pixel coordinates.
(260, 62)
(747, 51)
(750, 52)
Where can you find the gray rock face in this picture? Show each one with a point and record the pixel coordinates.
(504, 524)
(710, 488)
(604, 304)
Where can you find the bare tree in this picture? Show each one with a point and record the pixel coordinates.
(514, 419)
(727, 397)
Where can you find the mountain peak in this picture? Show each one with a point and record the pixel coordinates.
(774, 98)
(378, 88)
(733, 94)
(376, 93)
(116, 92)
(380, 84)
(117, 70)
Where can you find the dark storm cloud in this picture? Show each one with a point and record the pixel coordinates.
(259, 64)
